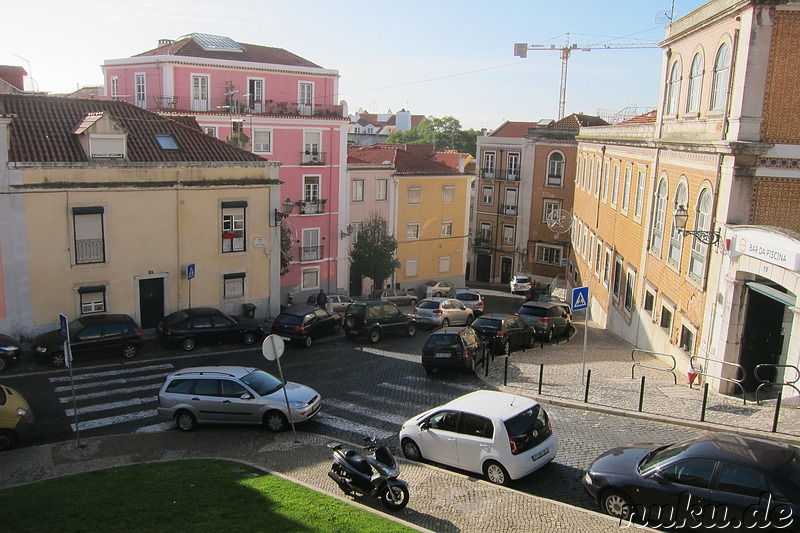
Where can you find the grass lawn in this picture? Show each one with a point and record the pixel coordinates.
(192, 495)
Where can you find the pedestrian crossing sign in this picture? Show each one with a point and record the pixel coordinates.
(580, 298)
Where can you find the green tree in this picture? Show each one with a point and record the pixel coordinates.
(286, 248)
(373, 250)
(444, 133)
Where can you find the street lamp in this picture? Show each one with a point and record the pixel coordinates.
(287, 206)
(682, 217)
(344, 234)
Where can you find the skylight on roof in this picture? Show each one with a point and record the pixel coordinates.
(215, 43)
(166, 141)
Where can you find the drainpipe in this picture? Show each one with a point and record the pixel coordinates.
(600, 177)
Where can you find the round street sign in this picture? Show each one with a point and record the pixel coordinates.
(272, 347)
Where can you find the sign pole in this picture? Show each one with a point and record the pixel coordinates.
(272, 349)
(62, 320)
(580, 301)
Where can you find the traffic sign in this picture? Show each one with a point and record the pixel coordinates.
(62, 320)
(272, 348)
(190, 269)
(580, 298)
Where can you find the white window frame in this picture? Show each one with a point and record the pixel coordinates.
(668, 306)
(234, 221)
(659, 217)
(695, 84)
(381, 189)
(674, 88)
(211, 131)
(255, 94)
(485, 232)
(305, 97)
(357, 191)
(626, 190)
(261, 147)
(509, 231)
(89, 235)
(487, 199)
(140, 87)
(615, 186)
(411, 268)
(414, 195)
(512, 171)
(92, 302)
(309, 278)
(675, 249)
(550, 205)
(312, 185)
(640, 187)
(608, 254)
(702, 222)
(548, 254)
(630, 289)
(607, 171)
(447, 228)
(555, 168)
(311, 249)
(115, 87)
(722, 68)
(200, 92)
(489, 164)
(687, 329)
(598, 257)
(510, 207)
(412, 231)
(444, 264)
(616, 285)
(448, 194)
(233, 285)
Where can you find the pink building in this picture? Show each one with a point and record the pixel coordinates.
(277, 105)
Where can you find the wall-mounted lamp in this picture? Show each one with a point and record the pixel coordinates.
(682, 217)
(345, 234)
(287, 206)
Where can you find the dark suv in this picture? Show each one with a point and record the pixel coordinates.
(456, 348)
(374, 319)
(91, 335)
(504, 333)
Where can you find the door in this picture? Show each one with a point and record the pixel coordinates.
(151, 301)
(762, 341)
(483, 268)
(439, 443)
(310, 245)
(200, 100)
(505, 270)
(232, 407)
(88, 342)
(305, 98)
(355, 282)
(225, 329)
(256, 95)
(474, 441)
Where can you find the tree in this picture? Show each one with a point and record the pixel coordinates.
(373, 249)
(286, 248)
(443, 133)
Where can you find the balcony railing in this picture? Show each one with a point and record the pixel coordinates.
(233, 106)
(509, 210)
(313, 158)
(500, 174)
(89, 251)
(483, 241)
(312, 207)
(311, 253)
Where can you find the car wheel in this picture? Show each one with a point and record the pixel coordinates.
(8, 439)
(351, 322)
(445, 322)
(186, 420)
(411, 450)
(374, 335)
(337, 328)
(470, 319)
(128, 351)
(275, 421)
(496, 473)
(58, 360)
(249, 338)
(3, 364)
(616, 503)
(529, 342)
(307, 342)
(411, 329)
(548, 335)
(188, 344)
(412, 302)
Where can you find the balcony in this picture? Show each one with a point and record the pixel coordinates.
(89, 251)
(233, 105)
(312, 207)
(509, 210)
(311, 253)
(482, 241)
(313, 158)
(501, 174)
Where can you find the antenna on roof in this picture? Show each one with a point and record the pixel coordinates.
(665, 17)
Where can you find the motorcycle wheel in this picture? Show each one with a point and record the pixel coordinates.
(400, 495)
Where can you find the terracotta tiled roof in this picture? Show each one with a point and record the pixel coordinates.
(42, 130)
(405, 162)
(575, 121)
(188, 47)
(451, 158)
(13, 75)
(646, 118)
(95, 91)
(514, 130)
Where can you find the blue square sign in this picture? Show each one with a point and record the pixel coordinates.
(580, 298)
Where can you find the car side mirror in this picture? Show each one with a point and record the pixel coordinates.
(658, 477)
(246, 396)
(424, 426)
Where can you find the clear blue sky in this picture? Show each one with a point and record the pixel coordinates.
(435, 57)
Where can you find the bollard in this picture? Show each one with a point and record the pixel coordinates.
(541, 373)
(588, 380)
(705, 402)
(505, 372)
(485, 361)
(777, 411)
(641, 395)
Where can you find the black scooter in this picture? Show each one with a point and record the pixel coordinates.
(353, 472)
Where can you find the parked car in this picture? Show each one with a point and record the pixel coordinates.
(10, 351)
(441, 312)
(397, 297)
(504, 333)
(742, 479)
(471, 299)
(502, 435)
(90, 336)
(435, 289)
(234, 395)
(304, 324)
(452, 348)
(374, 319)
(188, 327)
(338, 302)
(16, 418)
(547, 319)
(519, 283)
(536, 292)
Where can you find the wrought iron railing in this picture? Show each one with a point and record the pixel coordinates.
(89, 251)
(311, 253)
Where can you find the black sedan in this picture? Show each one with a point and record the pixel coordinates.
(718, 480)
(10, 351)
(189, 327)
(504, 333)
(304, 324)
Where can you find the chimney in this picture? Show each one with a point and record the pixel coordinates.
(165, 42)
(403, 120)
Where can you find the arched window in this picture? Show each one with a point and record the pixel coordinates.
(722, 66)
(702, 222)
(657, 237)
(675, 237)
(695, 84)
(674, 88)
(555, 169)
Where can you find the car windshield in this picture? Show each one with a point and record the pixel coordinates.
(533, 311)
(522, 280)
(290, 320)
(442, 341)
(428, 304)
(467, 297)
(486, 323)
(261, 382)
(659, 457)
(431, 283)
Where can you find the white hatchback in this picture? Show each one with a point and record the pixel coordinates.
(502, 435)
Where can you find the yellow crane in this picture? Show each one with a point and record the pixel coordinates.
(521, 50)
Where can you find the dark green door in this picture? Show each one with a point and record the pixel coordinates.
(151, 301)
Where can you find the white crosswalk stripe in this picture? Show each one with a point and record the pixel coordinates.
(342, 424)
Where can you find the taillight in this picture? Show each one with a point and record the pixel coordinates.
(515, 448)
(465, 354)
(366, 321)
(479, 304)
(138, 335)
(438, 312)
(416, 309)
(169, 331)
(500, 333)
(299, 329)
(545, 319)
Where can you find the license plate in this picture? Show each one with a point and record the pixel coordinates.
(540, 454)
(442, 354)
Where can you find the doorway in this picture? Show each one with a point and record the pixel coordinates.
(151, 301)
(483, 268)
(505, 270)
(355, 283)
(762, 338)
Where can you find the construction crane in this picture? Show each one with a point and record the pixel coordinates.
(521, 50)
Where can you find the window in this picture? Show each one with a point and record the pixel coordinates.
(550, 255)
(141, 90)
(666, 318)
(695, 84)
(310, 188)
(508, 234)
(550, 206)
(89, 240)
(687, 339)
(447, 228)
(444, 265)
(637, 212)
(414, 195)
(93, 299)
(114, 88)
(448, 194)
(488, 196)
(200, 99)
(741, 480)
(607, 266)
(719, 86)
(485, 234)
(675, 236)
(616, 286)
(674, 88)
(381, 189)
(233, 285)
(476, 426)
(595, 177)
(615, 186)
(657, 234)
(305, 98)
(626, 189)
(255, 95)
(489, 160)
(605, 182)
(357, 191)
(510, 206)
(555, 169)
(233, 226)
(309, 278)
(691, 472)
(411, 268)
(598, 257)
(649, 301)
(312, 140)
(262, 140)
(513, 166)
(444, 421)
(311, 250)
(702, 222)
(412, 230)
(211, 131)
(589, 261)
(630, 283)
(167, 142)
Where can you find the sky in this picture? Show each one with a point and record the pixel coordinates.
(435, 58)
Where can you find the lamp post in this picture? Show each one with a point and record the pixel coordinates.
(287, 207)
(681, 217)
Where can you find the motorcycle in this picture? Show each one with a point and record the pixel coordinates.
(353, 472)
